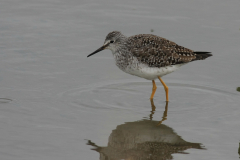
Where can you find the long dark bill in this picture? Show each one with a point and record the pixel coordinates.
(98, 50)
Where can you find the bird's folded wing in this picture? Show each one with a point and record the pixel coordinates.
(159, 52)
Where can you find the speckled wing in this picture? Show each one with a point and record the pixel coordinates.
(159, 52)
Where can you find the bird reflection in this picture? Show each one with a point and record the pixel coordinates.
(239, 150)
(146, 140)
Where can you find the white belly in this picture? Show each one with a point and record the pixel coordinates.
(151, 73)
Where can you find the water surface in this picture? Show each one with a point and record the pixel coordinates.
(55, 103)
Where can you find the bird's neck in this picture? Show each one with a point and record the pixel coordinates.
(120, 49)
(122, 45)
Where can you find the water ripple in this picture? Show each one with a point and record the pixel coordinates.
(130, 95)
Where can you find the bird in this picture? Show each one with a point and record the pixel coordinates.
(149, 56)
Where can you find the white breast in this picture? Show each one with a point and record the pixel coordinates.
(133, 67)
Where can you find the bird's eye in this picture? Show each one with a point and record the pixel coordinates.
(111, 41)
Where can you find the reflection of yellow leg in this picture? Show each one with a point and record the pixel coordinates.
(153, 89)
(164, 114)
(152, 104)
(165, 87)
(153, 109)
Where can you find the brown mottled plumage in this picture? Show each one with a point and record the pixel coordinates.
(159, 52)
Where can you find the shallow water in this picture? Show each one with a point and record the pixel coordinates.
(55, 103)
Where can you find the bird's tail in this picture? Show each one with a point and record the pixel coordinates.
(202, 55)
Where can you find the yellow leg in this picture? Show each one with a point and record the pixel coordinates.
(153, 89)
(165, 87)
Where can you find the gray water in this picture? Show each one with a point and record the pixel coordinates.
(55, 103)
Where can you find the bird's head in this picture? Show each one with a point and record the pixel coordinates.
(113, 41)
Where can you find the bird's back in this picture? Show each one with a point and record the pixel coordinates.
(156, 51)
